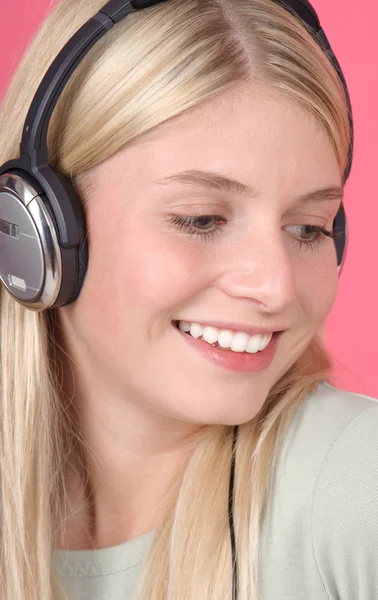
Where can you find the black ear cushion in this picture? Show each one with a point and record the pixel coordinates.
(75, 258)
(81, 252)
(81, 259)
(340, 227)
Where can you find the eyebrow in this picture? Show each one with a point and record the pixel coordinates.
(221, 183)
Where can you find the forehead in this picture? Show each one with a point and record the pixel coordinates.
(252, 133)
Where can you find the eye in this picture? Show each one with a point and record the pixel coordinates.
(317, 236)
(204, 226)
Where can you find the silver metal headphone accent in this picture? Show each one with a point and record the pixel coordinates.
(31, 266)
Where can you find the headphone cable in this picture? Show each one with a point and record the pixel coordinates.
(231, 517)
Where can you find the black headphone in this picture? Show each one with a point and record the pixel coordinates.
(43, 247)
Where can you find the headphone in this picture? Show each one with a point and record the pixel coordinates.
(43, 247)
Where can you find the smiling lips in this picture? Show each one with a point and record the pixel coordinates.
(238, 360)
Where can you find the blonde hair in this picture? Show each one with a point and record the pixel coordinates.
(147, 69)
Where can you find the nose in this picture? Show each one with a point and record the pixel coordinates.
(260, 270)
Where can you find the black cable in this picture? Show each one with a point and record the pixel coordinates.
(231, 517)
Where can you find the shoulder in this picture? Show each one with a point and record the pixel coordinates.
(320, 530)
(332, 446)
(334, 434)
(325, 413)
(345, 505)
(326, 418)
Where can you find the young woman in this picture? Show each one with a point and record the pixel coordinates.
(167, 430)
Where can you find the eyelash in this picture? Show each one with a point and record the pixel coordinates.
(186, 224)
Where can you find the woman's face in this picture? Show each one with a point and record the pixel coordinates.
(206, 221)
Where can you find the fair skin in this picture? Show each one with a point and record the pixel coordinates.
(140, 390)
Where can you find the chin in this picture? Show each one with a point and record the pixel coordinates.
(230, 411)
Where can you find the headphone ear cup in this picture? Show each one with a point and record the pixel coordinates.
(41, 264)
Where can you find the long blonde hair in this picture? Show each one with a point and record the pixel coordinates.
(147, 69)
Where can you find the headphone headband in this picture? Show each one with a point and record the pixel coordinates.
(304, 10)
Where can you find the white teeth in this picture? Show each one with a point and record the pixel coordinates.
(254, 344)
(196, 330)
(225, 339)
(210, 334)
(236, 341)
(265, 341)
(184, 326)
(240, 342)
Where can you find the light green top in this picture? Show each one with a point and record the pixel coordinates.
(320, 531)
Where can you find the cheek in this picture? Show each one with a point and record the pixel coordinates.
(160, 273)
(319, 288)
(144, 272)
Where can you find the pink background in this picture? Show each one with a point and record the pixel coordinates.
(352, 326)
